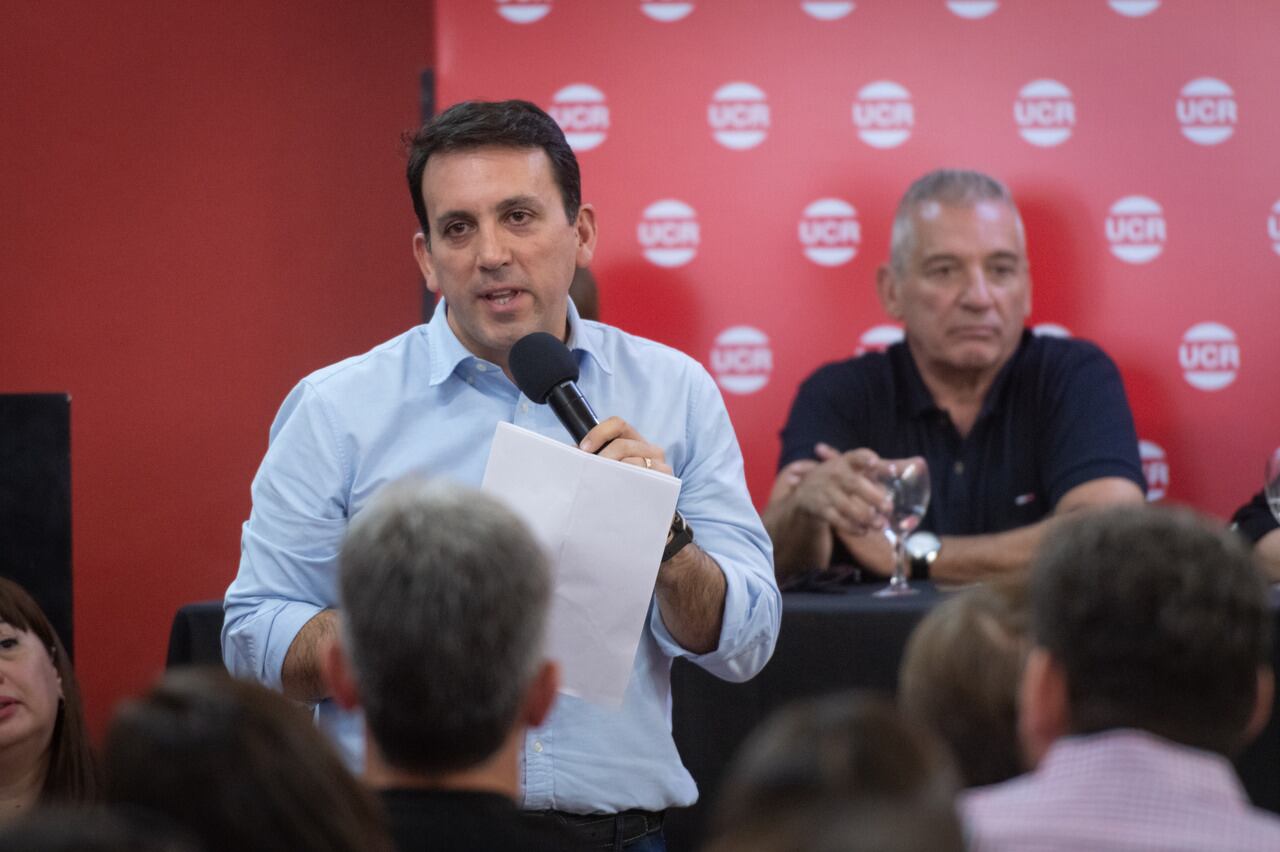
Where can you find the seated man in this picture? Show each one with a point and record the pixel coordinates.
(1150, 666)
(1014, 427)
(444, 596)
(1255, 522)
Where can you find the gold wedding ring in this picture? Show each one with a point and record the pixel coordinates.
(648, 463)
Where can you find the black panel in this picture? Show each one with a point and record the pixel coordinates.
(35, 501)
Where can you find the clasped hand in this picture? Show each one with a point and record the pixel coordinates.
(838, 488)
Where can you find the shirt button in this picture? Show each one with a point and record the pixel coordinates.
(480, 368)
(537, 746)
(471, 380)
(524, 408)
(959, 468)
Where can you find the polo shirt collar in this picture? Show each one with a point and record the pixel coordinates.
(920, 402)
(447, 352)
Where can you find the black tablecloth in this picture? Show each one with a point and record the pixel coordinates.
(828, 642)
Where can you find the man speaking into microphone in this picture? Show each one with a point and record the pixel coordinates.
(496, 190)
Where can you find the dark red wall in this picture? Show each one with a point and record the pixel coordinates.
(201, 202)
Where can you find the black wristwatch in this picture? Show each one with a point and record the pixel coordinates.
(681, 534)
(922, 549)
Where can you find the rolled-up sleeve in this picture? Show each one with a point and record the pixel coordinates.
(715, 501)
(289, 546)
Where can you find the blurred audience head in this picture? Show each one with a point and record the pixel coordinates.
(444, 596)
(1150, 619)
(96, 829)
(585, 294)
(835, 752)
(831, 826)
(238, 765)
(43, 742)
(960, 677)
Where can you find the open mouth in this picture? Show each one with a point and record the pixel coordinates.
(501, 297)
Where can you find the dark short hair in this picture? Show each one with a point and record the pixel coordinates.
(848, 748)
(960, 676)
(444, 595)
(72, 775)
(1159, 621)
(478, 124)
(237, 765)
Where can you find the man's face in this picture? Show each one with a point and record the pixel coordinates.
(966, 289)
(501, 251)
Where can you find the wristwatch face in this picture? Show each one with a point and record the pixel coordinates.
(922, 545)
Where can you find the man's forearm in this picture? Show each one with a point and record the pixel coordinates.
(300, 677)
(690, 591)
(801, 542)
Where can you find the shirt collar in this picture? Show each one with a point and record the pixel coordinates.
(447, 352)
(920, 402)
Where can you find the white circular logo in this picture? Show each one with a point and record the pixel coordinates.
(1136, 229)
(1210, 356)
(1156, 468)
(582, 114)
(972, 9)
(1050, 329)
(666, 12)
(878, 338)
(829, 232)
(1135, 8)
(739, 116)
(524, 11)
(1045, 113)
(1207, 111)
(883, 114)
(827, 11)
(1273, 226)
(741, 359)
(668, 233)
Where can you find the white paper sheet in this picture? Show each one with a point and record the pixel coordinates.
(604, 525)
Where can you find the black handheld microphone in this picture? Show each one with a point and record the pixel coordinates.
(545, 371)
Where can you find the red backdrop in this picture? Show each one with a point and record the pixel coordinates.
(745, 160)
(203, 201)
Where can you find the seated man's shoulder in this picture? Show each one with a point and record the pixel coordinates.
(1064, 352)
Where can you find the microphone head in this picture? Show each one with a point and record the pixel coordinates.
(539, 362)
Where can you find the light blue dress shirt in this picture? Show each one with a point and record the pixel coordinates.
(422, 403)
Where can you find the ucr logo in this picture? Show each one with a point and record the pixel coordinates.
(1207, 111)
(1045, 113)
(1273, 226)
(972, 9)
(1136, 229)
(878, 338)
(1135, 8)
(668, 233)
(830, 232)
(1210, 356)
(883, 114)
(1156, 469)
(741, 359)
(827, 11)
(666, 12)
(739, 116)
(1050, 329)
(582, 114)
(524, 11)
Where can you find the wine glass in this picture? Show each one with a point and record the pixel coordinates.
(1273, 483)
(907, 481)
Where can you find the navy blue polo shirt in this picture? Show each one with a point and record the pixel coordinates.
(1056, 416)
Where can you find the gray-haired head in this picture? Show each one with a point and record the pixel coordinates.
(444, 594)
(950, 187)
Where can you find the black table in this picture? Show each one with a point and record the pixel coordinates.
(828, 642)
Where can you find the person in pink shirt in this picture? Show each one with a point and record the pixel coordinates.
(1149, 669)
